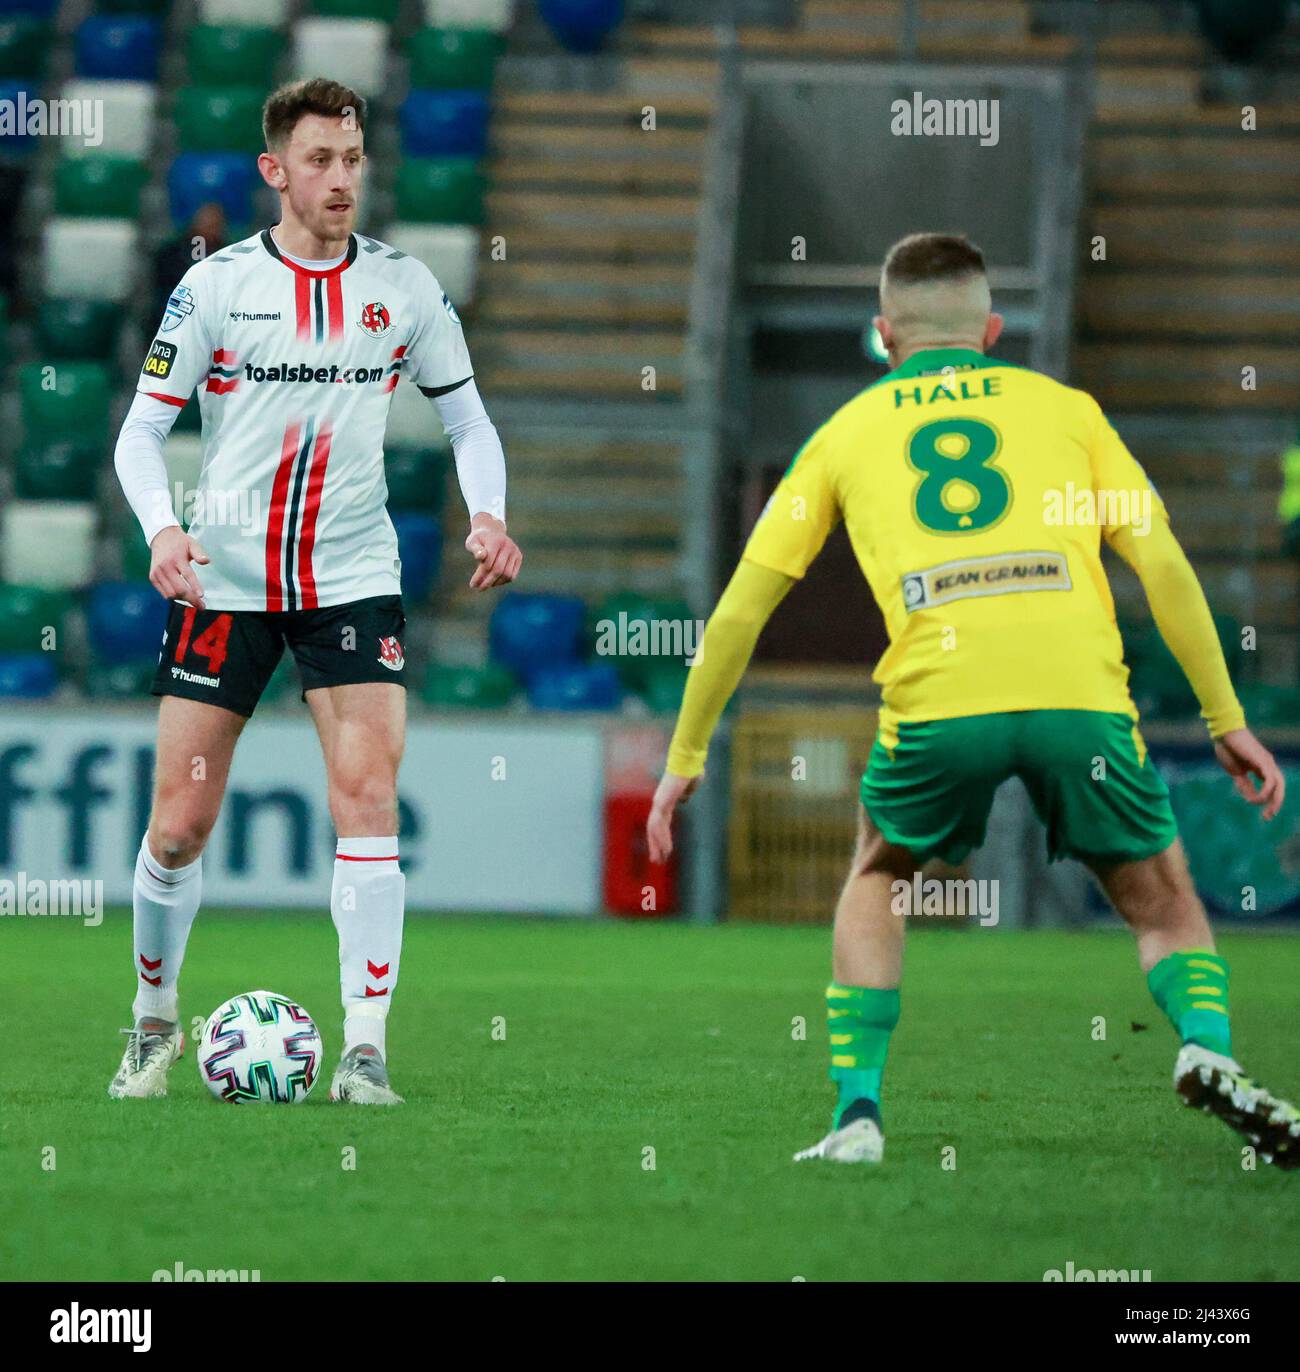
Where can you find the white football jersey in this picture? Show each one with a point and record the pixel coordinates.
(296, 371)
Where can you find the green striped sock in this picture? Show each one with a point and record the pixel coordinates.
(1191, 987)
(860, 1020)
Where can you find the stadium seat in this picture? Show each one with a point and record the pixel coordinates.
(99, 187)
(450, 251)
(85, 329)
(91, 259)
(18, 145)
(353, 51)
(440, 190)
(199, 177)
(27, 614)
(579, 686)
(480, 688)
(443, 59)
(582, 25)
(25, 44)
(28, 676)
(234, 55)
(383, 11)
(118, 48)
(66, 469)
(126, 620)
(67, 401)
(663, 686)
(121, 680)
(250, 13)
(529, 632)
(127, 126)
(494, 15)
(48, 543)
(157, 8)
(419, 545)
(444, 123)
(638, 623)
(36, 9)
(417, 477)
(137, 561)
(220, 119)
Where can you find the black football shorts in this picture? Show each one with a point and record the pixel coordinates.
(226, 657)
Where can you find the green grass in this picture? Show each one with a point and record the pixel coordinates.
(524, 1159)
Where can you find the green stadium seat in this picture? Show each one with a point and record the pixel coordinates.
(1270, 706)
(440, 190)
(78, 329)
(385, 11)
(70, 400)
(663, 686)
(120, 680)
(99, 187)
(417, 479)
(26, 612)
(1156, 681)
(477, 688)
(64, 470)
(231, 55)
(137, 561)
(463, 59)
(624, 629)
(220, 118)
(25, 45)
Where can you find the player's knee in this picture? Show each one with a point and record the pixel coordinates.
(362, 798)
(177, 839)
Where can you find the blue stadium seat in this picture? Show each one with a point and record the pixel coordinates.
(419, 545)
(449, 123)
(118, 48)
(582, 25)
(17, 144)
(126, 621)
(530, 632)
(198, 177)
(579, 686)
(36, 9)
(29, 675)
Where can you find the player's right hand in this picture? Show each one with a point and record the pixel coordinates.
(1242, 756)
(171, 574)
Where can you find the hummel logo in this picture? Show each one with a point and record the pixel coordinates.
(248, 317)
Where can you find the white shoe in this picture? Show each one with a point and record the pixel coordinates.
(149, 1054)
(1218, 1085)
(361, 1078)
(860, 1141)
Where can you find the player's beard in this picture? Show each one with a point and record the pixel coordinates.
(316, 219)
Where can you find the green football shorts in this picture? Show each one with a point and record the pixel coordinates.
(1087, 772)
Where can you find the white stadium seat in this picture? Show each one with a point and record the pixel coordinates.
(469, 14)
(450, 251)
(353, 51)
(271, 14)
(126, 121)
(49, 543)
(96, 259)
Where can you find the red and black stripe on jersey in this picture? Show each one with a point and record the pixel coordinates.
(317, 296)
(295, 508)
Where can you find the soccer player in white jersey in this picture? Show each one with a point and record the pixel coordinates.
(295, 338)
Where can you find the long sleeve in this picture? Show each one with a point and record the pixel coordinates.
(476, 446)
(1183, 617)
(138, 461)
(752, 594)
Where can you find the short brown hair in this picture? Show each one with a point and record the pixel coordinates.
(933, 257)
(316, 95)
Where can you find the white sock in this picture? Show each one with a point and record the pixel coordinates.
(366, 904)
(165, 903)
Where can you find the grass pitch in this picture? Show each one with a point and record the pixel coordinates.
(637, 1120)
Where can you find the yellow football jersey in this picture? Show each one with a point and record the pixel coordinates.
(975, 494)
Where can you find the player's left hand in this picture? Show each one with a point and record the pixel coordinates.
(671, 791)
(498, 555)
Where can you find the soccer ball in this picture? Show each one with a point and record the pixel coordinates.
(260, 1047)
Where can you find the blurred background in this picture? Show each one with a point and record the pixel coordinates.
(661, 222)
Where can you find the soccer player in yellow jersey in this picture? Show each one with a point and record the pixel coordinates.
(966, 486)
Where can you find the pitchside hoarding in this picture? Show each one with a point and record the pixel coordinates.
(496, 815)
